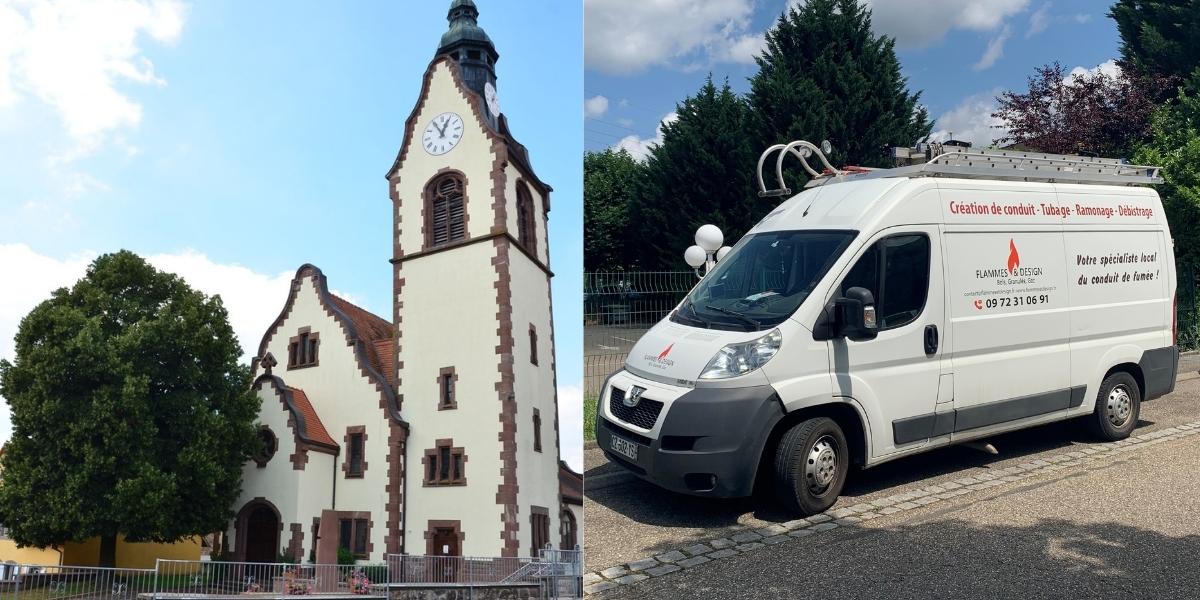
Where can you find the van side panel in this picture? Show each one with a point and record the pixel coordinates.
(1117, 286)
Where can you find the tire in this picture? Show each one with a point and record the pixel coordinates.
(1118, 404)
(804, 490)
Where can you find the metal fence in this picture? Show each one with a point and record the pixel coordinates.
(618, 307)
(40, 582)
(554, 574)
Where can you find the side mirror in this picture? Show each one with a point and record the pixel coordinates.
(856, 319)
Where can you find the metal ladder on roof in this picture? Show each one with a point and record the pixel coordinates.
(938, 160)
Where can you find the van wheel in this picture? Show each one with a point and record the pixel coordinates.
(811, 462)
(1117, 407)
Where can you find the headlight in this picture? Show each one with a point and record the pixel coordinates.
(739, 359)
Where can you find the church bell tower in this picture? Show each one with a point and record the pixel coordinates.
(474, 355)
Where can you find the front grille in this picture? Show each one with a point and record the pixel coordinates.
(644, 415)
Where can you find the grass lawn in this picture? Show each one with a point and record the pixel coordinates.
(589, 419)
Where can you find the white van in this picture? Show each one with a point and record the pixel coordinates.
(884, 313)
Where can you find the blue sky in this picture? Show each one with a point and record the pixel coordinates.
(234, 141)
(644, 57)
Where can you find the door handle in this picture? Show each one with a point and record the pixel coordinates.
(931, 340)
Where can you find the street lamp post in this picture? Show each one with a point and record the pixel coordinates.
(707, 251)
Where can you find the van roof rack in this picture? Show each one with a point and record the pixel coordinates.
(940, 160)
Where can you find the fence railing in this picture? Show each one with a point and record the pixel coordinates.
(554, 574)
(41, 582)
(180, 579)
(618, 306)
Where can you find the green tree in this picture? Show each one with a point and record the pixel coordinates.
(825, 76)
(609, 181)
(131, 414)
(1158, 38)
(1175, 146)
(702, 172)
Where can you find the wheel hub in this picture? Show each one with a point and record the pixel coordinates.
(1120, 406)
(821, 465)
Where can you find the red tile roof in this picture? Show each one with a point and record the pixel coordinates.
(570, 484)
(312, 423)
(376, 334)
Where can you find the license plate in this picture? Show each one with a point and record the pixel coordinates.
(623, 447)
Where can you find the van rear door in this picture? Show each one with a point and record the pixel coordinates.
(895, 377)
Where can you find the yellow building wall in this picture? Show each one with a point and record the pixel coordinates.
(132, 555)
(9, 552)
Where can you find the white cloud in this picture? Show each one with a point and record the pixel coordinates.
(917, 24)
(1039, 20)
(629, 36)
(994, 50)
(252, 299)
(73, 57)
(595, 107)
(639, 147)
(971, 121)
(570, 425)
(1108, 67)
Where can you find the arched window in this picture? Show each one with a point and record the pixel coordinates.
(570, 531)
(445, 210)
(526, 227)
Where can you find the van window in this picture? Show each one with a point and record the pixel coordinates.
(896, 271)
(763, 280)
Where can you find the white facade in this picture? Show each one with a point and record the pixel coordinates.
(453, 396)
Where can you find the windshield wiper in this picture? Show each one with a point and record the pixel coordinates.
(734, 313)
(696, 316)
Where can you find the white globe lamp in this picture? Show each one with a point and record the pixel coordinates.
(695, 257)
(722, 252)
(709, 238)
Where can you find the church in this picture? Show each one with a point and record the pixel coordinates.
(435, 430)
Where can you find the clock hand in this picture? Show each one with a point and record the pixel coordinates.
(442, 129)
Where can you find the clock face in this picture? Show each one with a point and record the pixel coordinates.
(493, 100)
(442, 134)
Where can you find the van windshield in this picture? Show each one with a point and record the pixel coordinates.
(763, 280)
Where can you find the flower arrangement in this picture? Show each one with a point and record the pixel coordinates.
(293, 586)
(358, 582)
(252, 586)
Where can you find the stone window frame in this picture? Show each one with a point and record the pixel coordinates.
(526, 219)
(539, 523)
(432, 459)
(537, 430)
(427, 216)
(533, 344)
(447, 399)
(347, 468)
(304, 349)
(356, 517)
(262, 459)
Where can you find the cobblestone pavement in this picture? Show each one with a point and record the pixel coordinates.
(705, 538)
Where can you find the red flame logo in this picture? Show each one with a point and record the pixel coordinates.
(666, 352)
(1014, 259)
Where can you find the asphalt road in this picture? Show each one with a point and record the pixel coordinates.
(1135, 518)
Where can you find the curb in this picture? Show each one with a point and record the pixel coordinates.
(748, 540)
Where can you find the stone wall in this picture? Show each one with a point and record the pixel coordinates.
(493, 591)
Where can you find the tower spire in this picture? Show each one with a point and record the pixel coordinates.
(469, 45)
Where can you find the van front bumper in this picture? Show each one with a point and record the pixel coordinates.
(709, 440)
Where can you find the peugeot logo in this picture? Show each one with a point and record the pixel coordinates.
(633, 397)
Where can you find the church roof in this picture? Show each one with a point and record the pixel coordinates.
(316, 428)
(570, 484)
(464, 28)
(376, 334)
